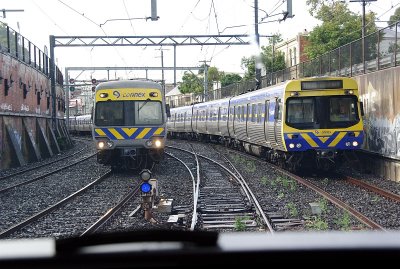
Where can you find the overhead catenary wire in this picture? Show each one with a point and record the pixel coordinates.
(87, 18)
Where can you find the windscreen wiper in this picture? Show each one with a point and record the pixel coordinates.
(145, 102)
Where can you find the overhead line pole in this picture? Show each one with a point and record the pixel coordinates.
(257, 57)
(364, 3)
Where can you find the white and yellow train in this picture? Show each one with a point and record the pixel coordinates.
(310, 122)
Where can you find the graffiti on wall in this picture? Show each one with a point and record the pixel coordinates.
(383, 136)
(5, 106)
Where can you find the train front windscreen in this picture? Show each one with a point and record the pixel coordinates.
(128, 113)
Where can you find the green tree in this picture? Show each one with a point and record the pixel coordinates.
(213, 74)
(249, 65)
(395, 17)
(227, 79)
(339, 26)
(271, 59)
(191, 83)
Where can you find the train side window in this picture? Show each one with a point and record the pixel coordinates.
(259, 112)
(253, 113)
(362, 108)
(168, 110)
(266, 112)
(243, 111)
(278, 110)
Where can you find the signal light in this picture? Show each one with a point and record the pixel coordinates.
(145, 187)
(71, 81)
(93, 88)
(94, 81)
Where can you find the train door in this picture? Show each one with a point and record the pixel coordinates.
(277, 119)
(266, 120)
(248, 120)
(191, 119)
(230, 110)
(197, 118)
(234, 119)
(219, 119)
(184, 121)
(207, 119)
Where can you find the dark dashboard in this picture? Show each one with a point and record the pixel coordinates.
(177, 249)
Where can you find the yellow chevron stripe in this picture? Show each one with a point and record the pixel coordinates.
(129, 131)
(323, 139)
(159, 131)
(309, 140)
(337, 139)
(100, 132)
(143, 133)
(115, 133)
(357, 133)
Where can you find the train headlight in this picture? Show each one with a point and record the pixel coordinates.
(145, 175)
(348, 144)
(109, 144)
(298, 145)
(291, 145)
(154, 94)
(145, 187)
(355, 143)
(154, 143)
(103, 95)
(101, 144)
(157, 143)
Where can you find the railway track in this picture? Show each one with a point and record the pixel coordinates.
(339, 199)
(222, 202)
(20, 225)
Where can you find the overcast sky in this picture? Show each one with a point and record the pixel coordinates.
(42, 18)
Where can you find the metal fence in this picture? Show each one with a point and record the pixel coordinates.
(16, 45)
(382, 50)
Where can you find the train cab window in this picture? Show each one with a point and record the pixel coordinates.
(148, 112)
(342, 110)
(109, 114)
(300, 110)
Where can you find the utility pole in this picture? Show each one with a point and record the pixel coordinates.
(162, 69)
(258, 57)
(364, 3)
(205, 91)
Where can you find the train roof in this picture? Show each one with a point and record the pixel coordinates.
(128, 84)
(261, 92)
(218, 101)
